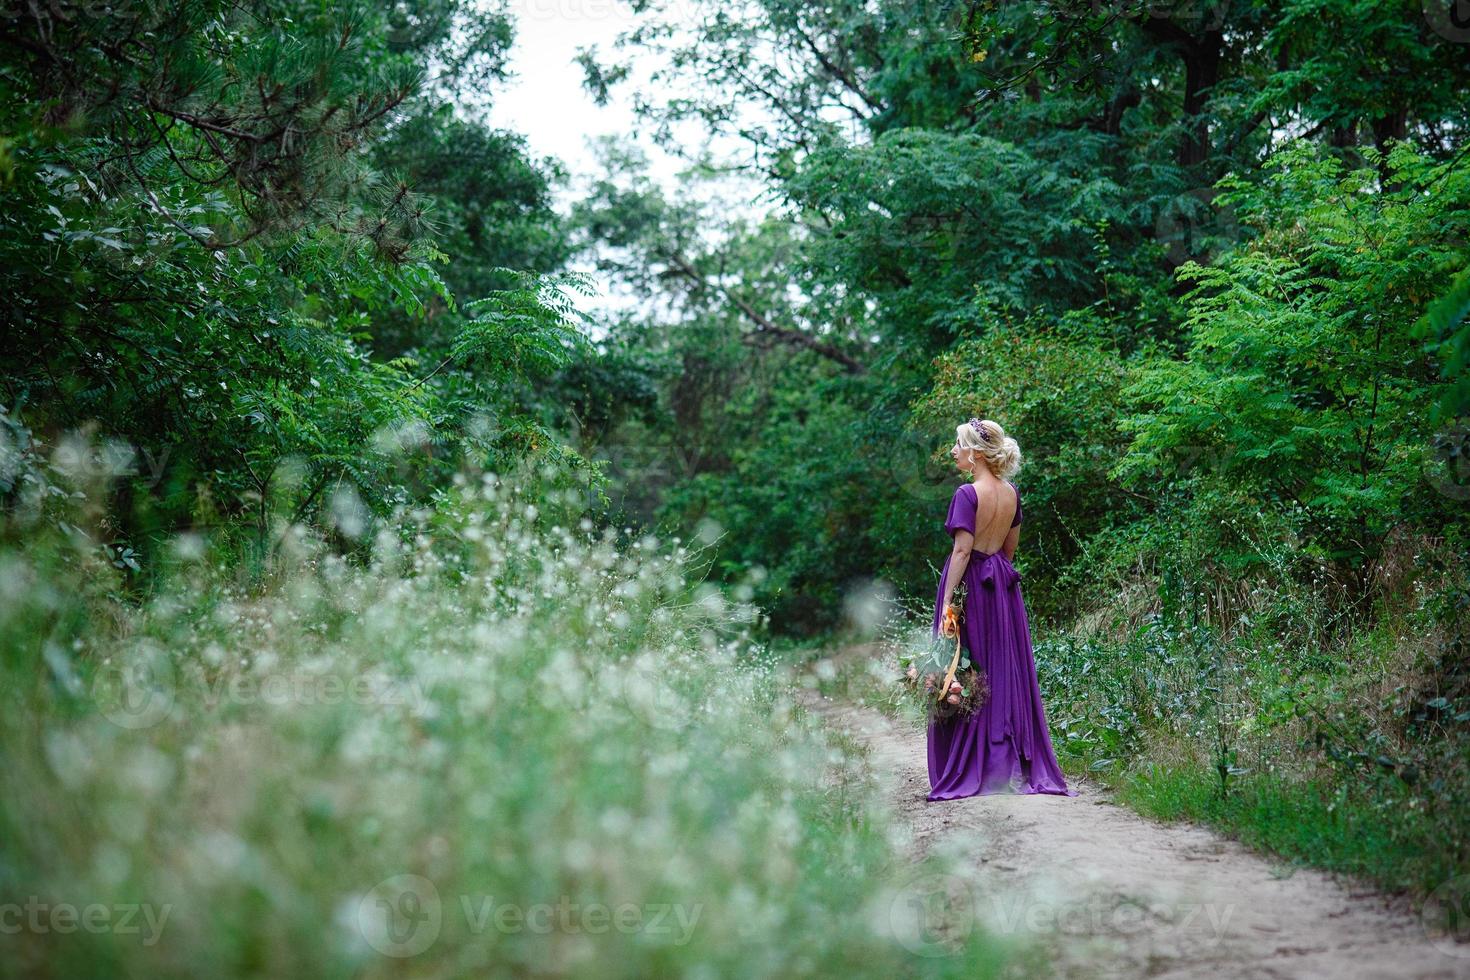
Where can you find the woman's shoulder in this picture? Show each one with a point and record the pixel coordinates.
(974, 491)
(969, 489)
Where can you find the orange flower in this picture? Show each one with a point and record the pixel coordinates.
(949, 622)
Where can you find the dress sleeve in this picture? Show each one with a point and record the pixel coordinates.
(961, 512)
(1016, 521)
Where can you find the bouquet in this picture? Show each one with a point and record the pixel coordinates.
(928, 665)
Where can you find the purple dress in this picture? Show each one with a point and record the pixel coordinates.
(1005, 746)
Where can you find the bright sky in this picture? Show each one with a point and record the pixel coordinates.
(545, 100)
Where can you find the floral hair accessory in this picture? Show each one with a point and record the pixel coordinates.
(980, 429)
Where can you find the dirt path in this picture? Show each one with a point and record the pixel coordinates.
(1111, 894)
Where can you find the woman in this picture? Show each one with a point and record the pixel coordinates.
(1005, 746)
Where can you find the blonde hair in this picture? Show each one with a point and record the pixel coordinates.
(990, 443)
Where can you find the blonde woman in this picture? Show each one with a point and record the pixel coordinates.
(1005, 746)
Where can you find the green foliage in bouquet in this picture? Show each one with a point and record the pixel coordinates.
(923, 668)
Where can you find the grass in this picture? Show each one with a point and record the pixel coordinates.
(1308, 823)
(1328, 759)
(1322, 756)
(490, 745)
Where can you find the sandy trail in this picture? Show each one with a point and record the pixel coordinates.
(1111, 894)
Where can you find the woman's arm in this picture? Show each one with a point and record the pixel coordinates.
(1008, 546)
(959, 560)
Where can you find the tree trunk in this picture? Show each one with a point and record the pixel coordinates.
(1201, 73)
(1394, 126)
(1201, 57)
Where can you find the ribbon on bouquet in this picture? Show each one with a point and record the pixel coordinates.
(949, 619)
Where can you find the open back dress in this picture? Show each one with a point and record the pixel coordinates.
(1005, 746)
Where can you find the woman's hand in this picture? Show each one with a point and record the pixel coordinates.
(949, 623)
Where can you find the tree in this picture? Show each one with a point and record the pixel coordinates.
(1306, 386)
(199, 242)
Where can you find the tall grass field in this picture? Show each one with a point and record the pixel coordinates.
(481, 744)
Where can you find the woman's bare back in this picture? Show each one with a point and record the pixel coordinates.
(995, 509)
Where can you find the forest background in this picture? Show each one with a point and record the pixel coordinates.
(269, 273)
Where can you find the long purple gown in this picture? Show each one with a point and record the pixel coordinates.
(1005, 746)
